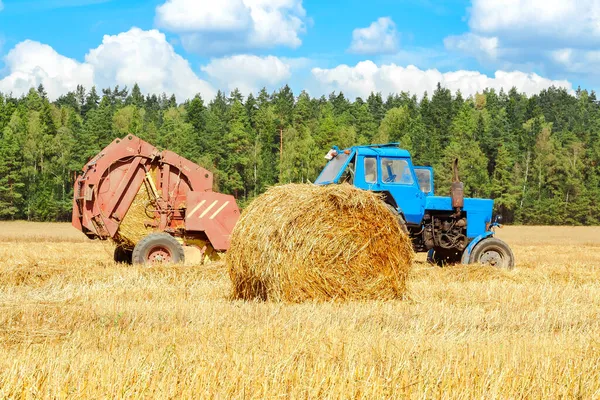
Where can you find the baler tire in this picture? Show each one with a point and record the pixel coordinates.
(162, 242)
(491, 251)
(123, 256)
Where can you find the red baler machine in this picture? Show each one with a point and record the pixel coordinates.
(174, 200)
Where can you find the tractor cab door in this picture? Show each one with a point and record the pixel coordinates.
(397, 176)
(367, 173)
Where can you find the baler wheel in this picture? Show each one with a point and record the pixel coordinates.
(493, 252)
(122, 255)
(157, 249)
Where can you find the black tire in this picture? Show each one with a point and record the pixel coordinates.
(493, 252)
(123, 256)
(399, 217)
(443, 257)
(158, 248)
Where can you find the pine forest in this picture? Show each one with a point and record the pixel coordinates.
(537, 156)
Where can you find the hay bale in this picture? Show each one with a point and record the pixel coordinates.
(134, 226)
(306, 242)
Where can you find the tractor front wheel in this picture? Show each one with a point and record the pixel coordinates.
(399, 218)
(443, 257)
(123, 256)
(158, 249)
(493, 252)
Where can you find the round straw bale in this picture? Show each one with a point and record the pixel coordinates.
(133, 228)
(306, 242)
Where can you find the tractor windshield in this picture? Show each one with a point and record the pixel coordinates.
(333, 169)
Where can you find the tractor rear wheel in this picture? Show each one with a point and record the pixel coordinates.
(493, 252)
(158, 249)
(123, 256)
(443, 257)
(399, 217)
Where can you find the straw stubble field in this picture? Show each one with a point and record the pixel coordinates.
(75, 325)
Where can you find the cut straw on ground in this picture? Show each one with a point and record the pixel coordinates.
(76, 325)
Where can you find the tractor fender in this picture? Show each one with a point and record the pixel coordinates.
(466, 257)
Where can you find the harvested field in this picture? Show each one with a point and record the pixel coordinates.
(73, 324)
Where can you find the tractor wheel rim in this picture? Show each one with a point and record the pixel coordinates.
(159, 255)
(492, 258)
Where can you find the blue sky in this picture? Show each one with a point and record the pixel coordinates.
(189, 46)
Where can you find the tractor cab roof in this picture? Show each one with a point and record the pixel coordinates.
(389, 150)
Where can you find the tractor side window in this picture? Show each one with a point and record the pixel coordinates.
(370, 170)
(424, 178)
(396, 170)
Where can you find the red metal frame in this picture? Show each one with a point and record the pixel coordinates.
(111, 180)
(215, 214)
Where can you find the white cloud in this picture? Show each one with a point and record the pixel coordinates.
(472, 44)
(194, 15)
(248, 73)
(574, 22)
(220, 27)
(1, 6)
(31, 64)
(576, 60)
(138, 56)
(562, 56)
(367, 77)
(555, 37)
(380, 37)
(147, 58)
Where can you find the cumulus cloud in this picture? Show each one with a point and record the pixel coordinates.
(367, 77)
(563, 56)
(194, 15)
(576, 60)
(31, 64)
(567, 22)
(220, 27)
(380, 37)
(472, 44)
(138, 56)
(145, 57)
(248, 73)
(553, 36)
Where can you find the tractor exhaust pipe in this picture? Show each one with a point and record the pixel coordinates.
(457, 192)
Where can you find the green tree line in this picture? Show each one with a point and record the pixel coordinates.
(537, 156)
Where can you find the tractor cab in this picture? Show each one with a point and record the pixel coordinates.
(451, 229)
(386, 169)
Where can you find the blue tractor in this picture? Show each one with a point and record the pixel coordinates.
(450, 229)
